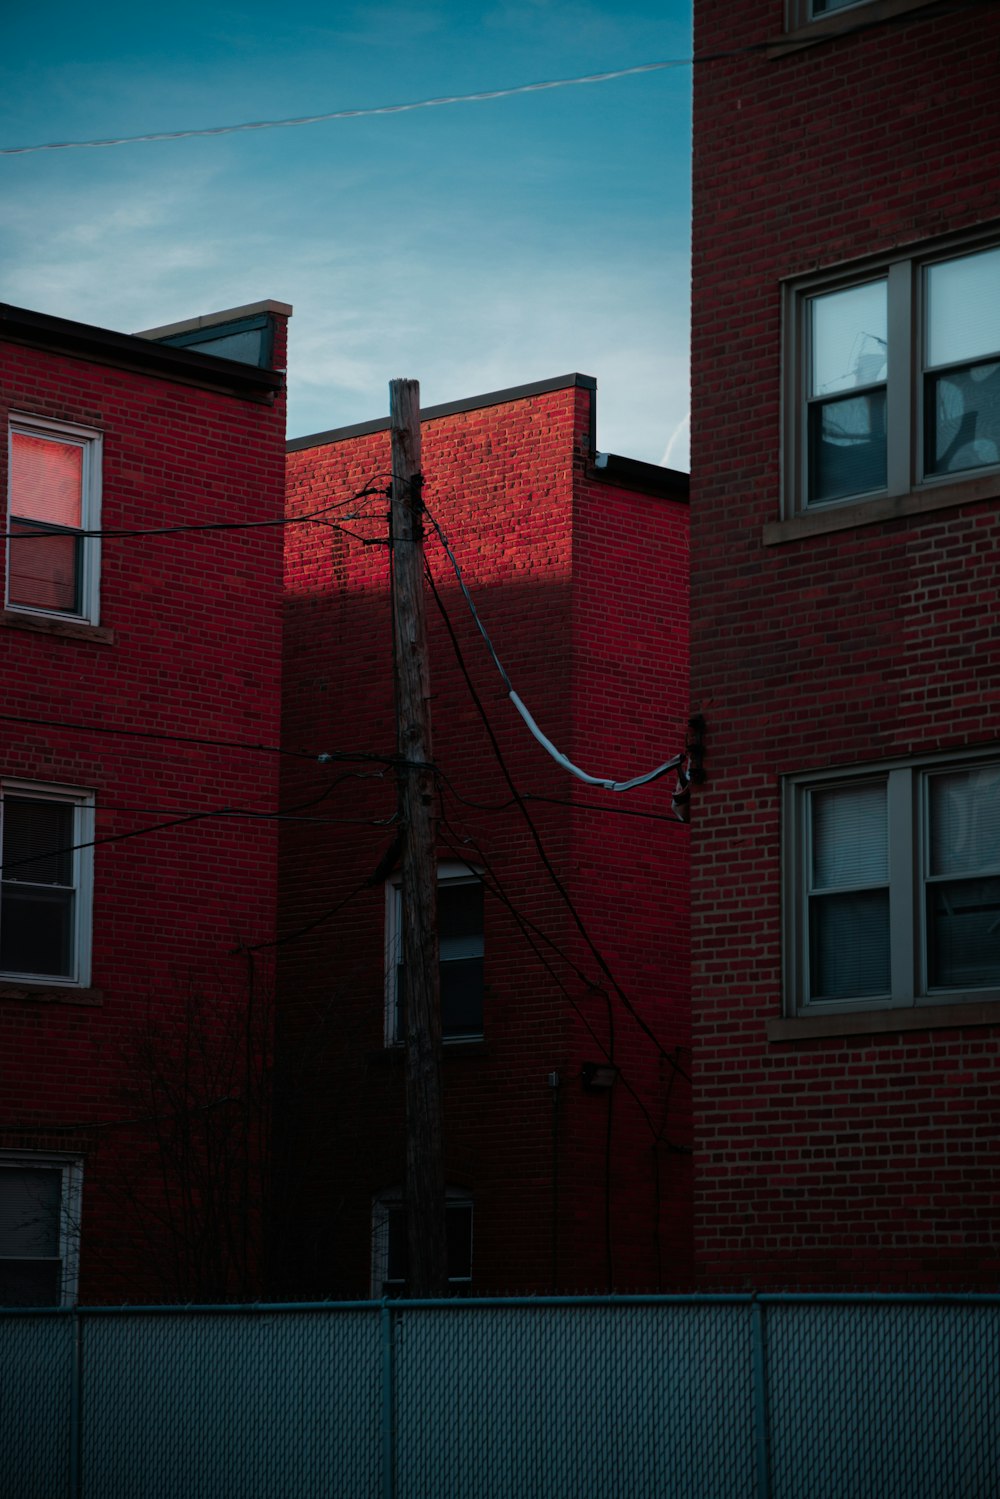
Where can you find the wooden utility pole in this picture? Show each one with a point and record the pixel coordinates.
(425, 1190)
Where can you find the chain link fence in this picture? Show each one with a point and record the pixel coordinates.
(770, 1397)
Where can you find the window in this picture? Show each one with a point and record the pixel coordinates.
(895, 378)
(893, 886)
(46, 888)
(389, 1251)
(460, 938)
(39, 1230)
(54, 493)
(814, 13)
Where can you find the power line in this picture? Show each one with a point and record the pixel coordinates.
(534, 936)
(603, 781)
(349, 114)
(378, 876)
(312, 517)
(322, 757)
(699, 60)
(180, 821)
(325, 756)
(558, 801)
(536, 837)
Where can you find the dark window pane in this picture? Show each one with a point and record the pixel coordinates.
(962, 419)
(44, 570)
(458, 1234)
(397, 1257)
(37, 842)
(460, 912)
(462, 997)
(963, 934)
(400, 1031)
(36, 931)
(29, 1212)
(849, 945)
(30, 1282)
(458, 1227)
(460, 937)
(847, 447)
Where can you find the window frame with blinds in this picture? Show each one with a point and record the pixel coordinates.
(60, 896)
(891, 885)
(65, 583)
(892, 376)
(461, 1011)
(389, 1244)
(50, 1250)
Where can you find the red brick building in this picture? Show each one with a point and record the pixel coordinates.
(845, 524)
(141, 672)
(562, 907)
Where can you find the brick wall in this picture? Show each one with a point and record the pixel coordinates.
(581, 585)
(866, 1159)
(189, 645)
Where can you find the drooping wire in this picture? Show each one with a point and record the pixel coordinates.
(699, 59)
(536, 837)
(350, 114)
(118, 533)
(322, 757)
(182, 820)
(605, 782)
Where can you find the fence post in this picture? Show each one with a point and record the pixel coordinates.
(760, 1402)
(75, 1475)
(388, 1404)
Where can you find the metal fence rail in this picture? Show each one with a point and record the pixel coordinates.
(769, 1397)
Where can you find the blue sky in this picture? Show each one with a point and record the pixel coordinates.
(471, 247)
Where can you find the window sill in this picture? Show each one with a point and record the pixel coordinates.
(880, 1022)
(69, 629)
(473, 1046)
(827, 28)
(49, 993)
(885, 508)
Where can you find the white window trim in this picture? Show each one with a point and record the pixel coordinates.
(70, 1200)
(903, 270)
(908, 823)
(449, 872)
(91, 441)
(393, 1198)
(83, 877)
(800, 16)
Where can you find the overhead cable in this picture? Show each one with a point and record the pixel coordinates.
(351, 114)
(311, 517)
(605, 782)
(484, 95)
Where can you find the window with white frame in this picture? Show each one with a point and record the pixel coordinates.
(807, 12)
(46, 885)
(39, 1229)
(389, 1245)
(825, 7)
(894, 377)
(892, 886)
(461, 948)
(53, 500)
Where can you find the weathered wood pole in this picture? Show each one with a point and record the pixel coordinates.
(424, 1186)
